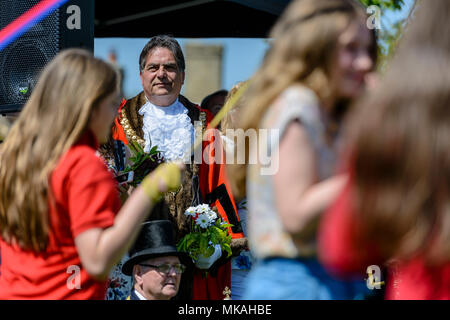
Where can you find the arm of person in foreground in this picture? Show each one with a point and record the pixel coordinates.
(299, 199)
(100, 249)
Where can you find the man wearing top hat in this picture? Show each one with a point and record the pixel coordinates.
(155, 264)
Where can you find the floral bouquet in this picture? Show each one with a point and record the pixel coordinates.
(142, 162)
(209, 233)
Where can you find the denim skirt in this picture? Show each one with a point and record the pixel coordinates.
(298, 279)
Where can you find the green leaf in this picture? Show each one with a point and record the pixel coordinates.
(384, 4)
(139, 148)
(218, 233)
(127, 169)
(190, 241)
(133, 147)
(227, 248)
(225, 226)
(153, 150)
(215, 230)
(203, 244)
(182, 244)
(214, 238)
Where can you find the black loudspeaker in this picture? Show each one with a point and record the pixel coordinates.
(72, 25)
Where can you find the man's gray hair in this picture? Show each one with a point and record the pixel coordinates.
(163, 41)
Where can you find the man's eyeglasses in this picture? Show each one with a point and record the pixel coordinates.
(166, 268)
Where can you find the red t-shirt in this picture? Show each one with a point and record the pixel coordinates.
(85, 197)
(342, 253)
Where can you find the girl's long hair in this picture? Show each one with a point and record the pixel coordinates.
(54, 118)
(400, 145)
(400, 156)
(304, 42)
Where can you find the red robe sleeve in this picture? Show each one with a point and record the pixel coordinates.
(213, 172)
(117, 132)
(211, 175)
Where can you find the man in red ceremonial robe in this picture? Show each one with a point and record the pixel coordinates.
(160, 116)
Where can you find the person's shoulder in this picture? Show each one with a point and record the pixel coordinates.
(86, 145)
(132, 103)
(296, 102)
(80, 160)
(187, 103)
(203, 114)
(299, 92)
(84, 155)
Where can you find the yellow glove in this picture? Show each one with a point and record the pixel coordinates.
(169, 174)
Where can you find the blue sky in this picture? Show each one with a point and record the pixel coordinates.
(241, 57)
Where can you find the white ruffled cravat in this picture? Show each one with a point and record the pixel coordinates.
(169, 128)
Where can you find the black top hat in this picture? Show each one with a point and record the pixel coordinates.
(154, 240)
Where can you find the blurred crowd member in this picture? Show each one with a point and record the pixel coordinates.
(321, 53)
(160, 116)
(155, 264)
(242, 260)
(231, 119)
(395, 209)
(112, 58)
(215, 101)
(61, 225)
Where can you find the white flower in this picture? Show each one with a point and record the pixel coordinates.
(203, 208)
(212, 215)
(203, 220)
(190, 211)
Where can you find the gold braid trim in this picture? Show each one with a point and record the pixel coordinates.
(129, 131)
(202, 118)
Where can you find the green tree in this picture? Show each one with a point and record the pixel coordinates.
(388, 36)
(384, 4)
